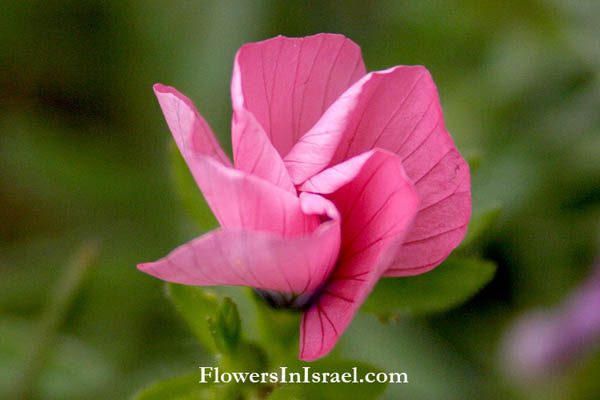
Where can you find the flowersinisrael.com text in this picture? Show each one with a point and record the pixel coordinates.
(214, 375)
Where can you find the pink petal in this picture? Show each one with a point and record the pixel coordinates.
(377, 206)
(315, 149)
(350, 126)
(403, 115)
(287, 83)
(337, 176)
(242, 201)
(398, 110)
(190, 131)
(256, 259)
(313, 204)
(442, 220)
(254, 153)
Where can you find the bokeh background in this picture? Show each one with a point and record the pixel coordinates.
(84, 156)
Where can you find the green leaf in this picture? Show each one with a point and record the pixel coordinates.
(480, 224)
(229, 322)
(188, 191)
(447, 286)
(195, 305)
(247, 357)
(225, 328)
(184, 387)
(287, 392)
(73, 369)
(278, 328)
(217, 327)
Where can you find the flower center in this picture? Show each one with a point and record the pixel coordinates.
(286, 300)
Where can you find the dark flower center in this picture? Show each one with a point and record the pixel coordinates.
(299, 302)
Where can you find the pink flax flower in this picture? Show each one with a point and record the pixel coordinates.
(544, 342)
(339, 178)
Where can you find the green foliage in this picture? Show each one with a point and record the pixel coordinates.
(248, 356)
(287, 392)
(225, 329)
(453, 282)
(188, 191)
(72, 370)
(217, 325)
(195, 305)
(184, 387)
(283, 341)
(234, 353)
(480, 224)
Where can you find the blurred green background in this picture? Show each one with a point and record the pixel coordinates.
(83, 155)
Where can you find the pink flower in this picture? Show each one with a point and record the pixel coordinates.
(542, 342)
(339, 178)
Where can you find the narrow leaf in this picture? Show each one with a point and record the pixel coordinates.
(246, 357)
(195, 304)
(228, 320)
(277, 328)
(72, 370)
(184, 387)
(225, 327)
(447, 286)
(287, 392)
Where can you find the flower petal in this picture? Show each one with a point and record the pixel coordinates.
(403, 115)
(256, 259)
(442, 220)
(377, 203)
(315, 149)
(369, 112)
(398, 110)
(287, 83)
(242, 201)
(337, 176)
(254, 153)
(190, 131)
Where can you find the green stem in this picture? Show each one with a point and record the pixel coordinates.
(44, 336)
